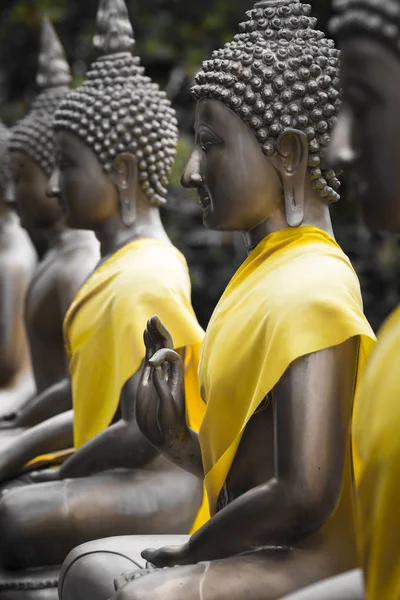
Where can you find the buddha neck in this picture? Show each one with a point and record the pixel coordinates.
(114, 234)
(316, 213)
(54, 235)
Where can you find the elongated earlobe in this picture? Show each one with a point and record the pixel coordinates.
(292, 146)
(124, 174)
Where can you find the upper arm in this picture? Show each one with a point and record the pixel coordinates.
(13, 286)
(312, 413)
(75, 272)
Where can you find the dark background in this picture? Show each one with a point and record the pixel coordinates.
(172, 38)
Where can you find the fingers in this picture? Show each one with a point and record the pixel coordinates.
(175, 379)
(168, 556)
(148, 554)
(161, 333)
(165, 354)
(167, 414)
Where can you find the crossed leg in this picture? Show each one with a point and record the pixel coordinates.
(260, 575)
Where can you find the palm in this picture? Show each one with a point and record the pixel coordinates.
(160, 405)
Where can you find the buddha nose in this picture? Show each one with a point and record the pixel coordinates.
(341, 151)
(53, 185)
(191, 177)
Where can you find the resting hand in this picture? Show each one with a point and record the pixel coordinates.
(169, 556)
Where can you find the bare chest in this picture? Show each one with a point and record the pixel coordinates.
(43, 315)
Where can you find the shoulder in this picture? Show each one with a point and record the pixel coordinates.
(316, 273)
(150, 269)
(81, 250)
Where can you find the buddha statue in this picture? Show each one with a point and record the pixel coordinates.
(115, 144)
(283, 350)
(365, 145)
(18, 261)
(71, 256)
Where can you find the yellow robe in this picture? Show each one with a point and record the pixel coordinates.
(377, 435)
(103, 331)
(296, 293)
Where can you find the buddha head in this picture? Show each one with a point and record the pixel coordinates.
(366, 139)
(266, 105)
(32, 141)
(116, 135)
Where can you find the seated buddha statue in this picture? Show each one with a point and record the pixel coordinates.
(17, 264)
(116, 140)
(71, 255)
(283, 350)
(365, 145)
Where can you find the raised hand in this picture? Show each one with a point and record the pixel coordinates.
(160, 400)
(160, 403)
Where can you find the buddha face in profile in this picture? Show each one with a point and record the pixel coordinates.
(266, 106)
(366, 139)
(86, 194)
(5, 175)
(28, 192)
(238, 186)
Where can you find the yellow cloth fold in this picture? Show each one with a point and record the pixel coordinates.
(377, 438)
(104, 328)
(295, 294)
(103, 332)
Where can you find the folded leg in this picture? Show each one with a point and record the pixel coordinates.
(89, 571)
(41, 523)
(348, 586)
(262, 575)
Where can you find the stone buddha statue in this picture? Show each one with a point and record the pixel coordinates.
(365, 145)
(116, 139)
(18, 261)
(283, 350)
(71, 256)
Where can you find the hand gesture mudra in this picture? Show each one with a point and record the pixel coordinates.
(160, 401)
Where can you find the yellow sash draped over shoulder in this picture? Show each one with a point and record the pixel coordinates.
(104, 327)
(295, 294)
(376, 432)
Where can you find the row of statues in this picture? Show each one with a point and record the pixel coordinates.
(141, 457)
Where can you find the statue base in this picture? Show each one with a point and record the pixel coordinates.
(30, 584)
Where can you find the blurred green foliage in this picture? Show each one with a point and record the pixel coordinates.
(172, 38)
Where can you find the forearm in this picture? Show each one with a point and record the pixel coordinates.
(120, 446)
(268, 515)
(50, 403)
(50, 436)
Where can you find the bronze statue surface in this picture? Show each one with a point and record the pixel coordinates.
(111, 181)
(17, 263)
(282, 508)
(71, 256)
(365, 145)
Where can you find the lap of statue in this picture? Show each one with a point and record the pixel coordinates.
(347, 586)
(8, 436)
(96, 569)
(40, 525)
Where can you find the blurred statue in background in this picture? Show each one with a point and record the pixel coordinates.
(365, 144)
(72, 255)
(283, 349)
(116, 141)
(17, 264)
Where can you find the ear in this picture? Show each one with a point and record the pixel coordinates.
(292, 147)
(124, 175)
